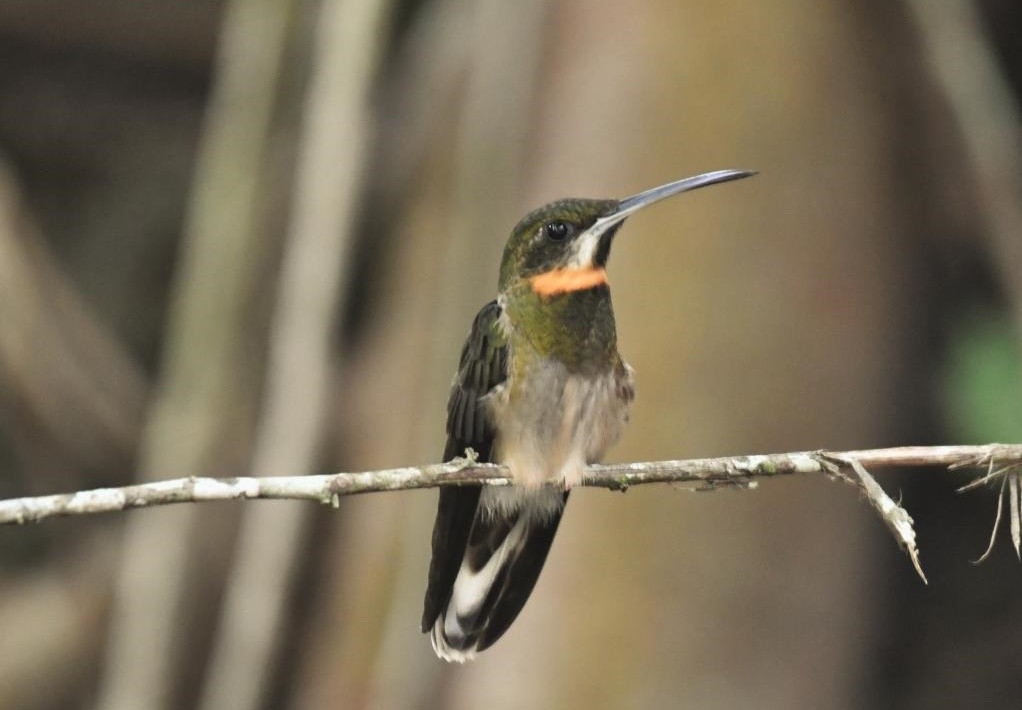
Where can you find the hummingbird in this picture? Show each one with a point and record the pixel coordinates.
(541, 389)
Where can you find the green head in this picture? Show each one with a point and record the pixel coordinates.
(564, 246)
(558, 235)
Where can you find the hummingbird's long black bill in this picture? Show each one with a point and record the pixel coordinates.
(631, 205)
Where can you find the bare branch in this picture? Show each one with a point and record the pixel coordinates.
(328, 488)
(706, 474)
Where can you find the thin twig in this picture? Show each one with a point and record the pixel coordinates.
(897, 519)
(328, 488)
(997, 522)
(1013, 507)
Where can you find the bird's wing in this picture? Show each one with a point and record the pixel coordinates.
(483, 366)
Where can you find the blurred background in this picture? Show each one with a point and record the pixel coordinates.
(249, 236)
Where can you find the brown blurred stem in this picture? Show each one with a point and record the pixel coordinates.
(72, 392)
(989, 118)
(312, 290)
(209, 364)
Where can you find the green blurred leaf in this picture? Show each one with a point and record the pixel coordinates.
(983, 380)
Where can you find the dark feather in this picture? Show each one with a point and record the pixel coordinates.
(455, 511)
(482, 367)
(516, 580)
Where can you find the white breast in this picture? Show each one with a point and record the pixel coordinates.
(553, 422)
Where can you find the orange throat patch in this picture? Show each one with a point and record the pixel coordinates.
(558, 281)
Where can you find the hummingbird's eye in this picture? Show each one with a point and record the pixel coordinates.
(556, 231)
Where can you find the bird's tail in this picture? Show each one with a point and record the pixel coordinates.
(510, 536)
